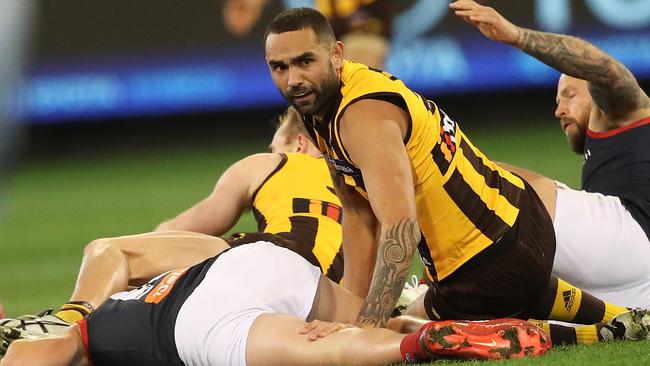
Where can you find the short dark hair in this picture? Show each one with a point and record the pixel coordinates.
(302, 18)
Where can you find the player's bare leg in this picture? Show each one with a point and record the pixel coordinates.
(495, 339)
(354, 346)
(545, 187)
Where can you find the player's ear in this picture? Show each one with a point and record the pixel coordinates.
(303, 144)
(337, 55)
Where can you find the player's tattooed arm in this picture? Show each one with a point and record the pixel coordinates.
(612, 86)
(394, 255)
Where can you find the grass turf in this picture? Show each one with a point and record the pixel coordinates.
(55, 205)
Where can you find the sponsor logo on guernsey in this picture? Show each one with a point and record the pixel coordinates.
(448, 135)
(164, 287)
(342, 165)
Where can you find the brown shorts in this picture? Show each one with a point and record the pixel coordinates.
(507, 279)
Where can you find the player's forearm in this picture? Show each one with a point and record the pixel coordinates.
(167, 226)
(359, 253)
(360, 238)
(568, 54)
(612, 85)
(199, 221)
(394, 255)
(189, 220)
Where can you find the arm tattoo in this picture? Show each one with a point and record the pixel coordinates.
(394, 255)
(612, 86)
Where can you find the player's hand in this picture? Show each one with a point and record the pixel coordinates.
(492, 24)
(317, 329)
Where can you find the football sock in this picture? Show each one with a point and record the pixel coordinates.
(567, 335)
(411, 348)
(73, 311)
(565, 302)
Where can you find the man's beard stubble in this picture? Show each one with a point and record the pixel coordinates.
(577, 141)
(324, 96)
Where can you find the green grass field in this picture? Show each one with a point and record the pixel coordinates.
(54, 206)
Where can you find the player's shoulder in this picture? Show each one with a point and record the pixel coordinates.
(260, 161)
(255, 168)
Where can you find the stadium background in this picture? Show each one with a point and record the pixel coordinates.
(128, 113)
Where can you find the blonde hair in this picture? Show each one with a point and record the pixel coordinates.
(292, 119)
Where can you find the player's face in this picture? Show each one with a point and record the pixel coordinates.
(304, 70)
(573, 109)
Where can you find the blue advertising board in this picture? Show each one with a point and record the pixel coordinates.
(430, 50)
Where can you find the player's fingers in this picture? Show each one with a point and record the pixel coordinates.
(315, 328)
(316, 333)
(463, 13)
(462, 4)
(465, 5)
(329, 330)
(482, 18)
(472, 17)
(334, 328)
(468, 20)
(309, 327)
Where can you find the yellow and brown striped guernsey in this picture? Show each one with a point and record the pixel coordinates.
(464, 201)
(298, 199)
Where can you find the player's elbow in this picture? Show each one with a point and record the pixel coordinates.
(99, 247)
(10, 361)
(16, 355)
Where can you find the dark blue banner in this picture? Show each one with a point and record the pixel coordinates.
(432, 51)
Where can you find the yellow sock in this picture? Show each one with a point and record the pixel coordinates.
(611, 311)
(542, 324)
(569, 335)
(587, 334)
(567, 302)
(73, 311)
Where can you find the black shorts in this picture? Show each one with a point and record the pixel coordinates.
(136, 328)
(507, 279)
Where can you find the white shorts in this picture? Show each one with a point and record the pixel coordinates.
(245, 282)
(601, 248)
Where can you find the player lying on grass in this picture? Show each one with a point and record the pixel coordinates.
(246, 305)
(289, 190)
(232, 308)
